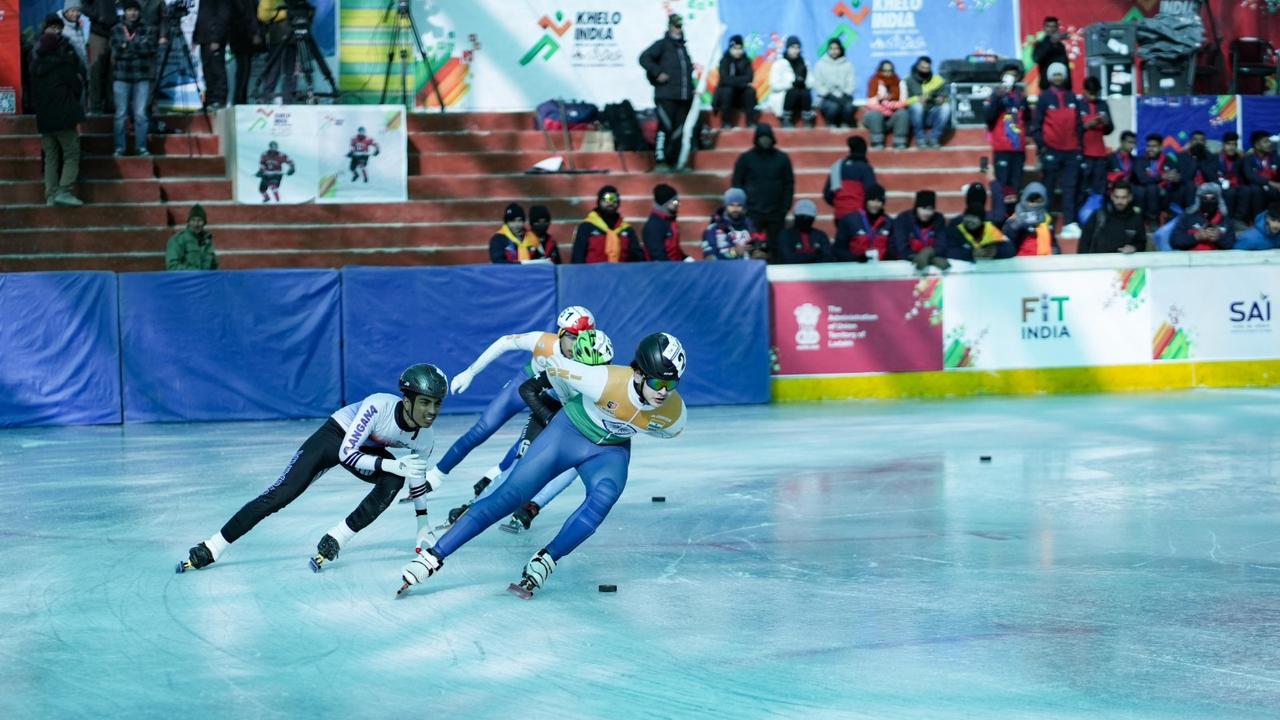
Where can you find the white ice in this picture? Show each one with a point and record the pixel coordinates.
(1118, 558)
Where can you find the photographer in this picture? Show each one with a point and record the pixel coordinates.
(213, 21)
(280, 18)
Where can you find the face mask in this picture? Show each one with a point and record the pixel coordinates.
(1209, 206)
(804, 222)
(972, 223)
(1032, 217)
(1199, 151)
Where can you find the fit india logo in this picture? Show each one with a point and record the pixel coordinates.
(547, 44)
(1045, 317)
(1251, 315)
(807, 317)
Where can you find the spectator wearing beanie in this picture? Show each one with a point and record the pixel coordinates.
(920, 231)
(735, 90)
(192, 247)
(661, 230)
(802, 242)
(849, 179)
(512, 243)
(789, 95)
(1058, 128)
(1265, 233)
(540, 226)
(133, 51)
(860, 232)
(972, 237)
(75, 28)
(731, 234)
(667, 65)
(57, 87)
(833, 82)
(1008, 116)
(1117, 226)
(927, 104)
(603, 236)
(764, 173)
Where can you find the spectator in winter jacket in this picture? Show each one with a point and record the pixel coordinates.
(1008, 208)
(1262, 169)
(866, 233)
(667, 65)
(540, 226)
(102, 17)
(244, 35)
(789, 96)
(764, 173)
(1031, 228)
(1057, 127)
(848, 180)
(802, 242)
(735, 90)
(833, 82)
(918, 233)
(1156, 180)
(971, 236)
(75, 28)
(1206, 225)
(213, 25)
(927, 105)
(1120, 164)
(731, 234)
(886, 107)
(1117, 226)
(513, 243)
(1197, 164)
(57, 86)
(1007, 115)
(604, 236)
(133, 52)
(1265, 233)
(1050, 49)
(192, 247)
(1240, 197)
(1095, 117)
(662, 230)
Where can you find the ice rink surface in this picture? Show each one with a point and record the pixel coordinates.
(1119, 557)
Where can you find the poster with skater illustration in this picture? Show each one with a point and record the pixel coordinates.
(363, 154)
(275, 154)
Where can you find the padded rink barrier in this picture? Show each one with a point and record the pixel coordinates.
(59, 349)
(248, 345)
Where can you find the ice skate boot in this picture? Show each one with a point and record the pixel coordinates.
(326, 551)
(481, 484)
(535, 575)
(427, 563)
(454, 514)
(522, 518)
(198, 557)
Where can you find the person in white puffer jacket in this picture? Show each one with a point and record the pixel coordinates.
(789, 95)
(833, 82)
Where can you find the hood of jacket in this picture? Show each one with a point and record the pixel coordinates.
(1210, 189)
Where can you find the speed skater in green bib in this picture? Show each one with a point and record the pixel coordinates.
(542, 347)
(609, 405)
(544, 398)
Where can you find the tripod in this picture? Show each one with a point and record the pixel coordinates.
(175, 39)
(404, 23)
(298, 56)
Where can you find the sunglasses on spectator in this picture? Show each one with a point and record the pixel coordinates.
(608, 198)
(658, 384)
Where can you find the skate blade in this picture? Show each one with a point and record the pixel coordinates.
(403, 589)
(443, 526)
(519, 592)
(405, 499)
(317, 563)
(183, 566)
(513, 528)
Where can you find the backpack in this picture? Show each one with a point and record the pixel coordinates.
(628, 136)
(574, 114)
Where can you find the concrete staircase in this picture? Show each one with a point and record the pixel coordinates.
(463, 168)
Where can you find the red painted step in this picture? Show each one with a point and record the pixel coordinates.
(112, 191)
(27, 146)
(121, 168)
(102, 124)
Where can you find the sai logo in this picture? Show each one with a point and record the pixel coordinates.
(1251, 316)
(547, 45)
(807, 317)
(1045, 317)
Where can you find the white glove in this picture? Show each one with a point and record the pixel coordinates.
(461, 382)
(409, 466)
(426, 538)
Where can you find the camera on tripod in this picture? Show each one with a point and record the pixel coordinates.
(300, 12)
(179, 9)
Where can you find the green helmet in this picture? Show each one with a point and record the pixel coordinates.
(424, 379)
(593, 347)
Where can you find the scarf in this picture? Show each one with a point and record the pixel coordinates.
(990, 235)
(612, 236)
(523, 247)
(1044, 239)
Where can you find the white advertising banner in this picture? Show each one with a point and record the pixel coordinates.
(1005, 321)
(290, 154)
(515, 54)
(1216, 313)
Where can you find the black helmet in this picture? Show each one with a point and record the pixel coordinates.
(660, 356)
(424, 379)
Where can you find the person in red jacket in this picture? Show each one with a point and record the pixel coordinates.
(1237, 194)
(1031, 227)
(604, 236)
(662, 230)
(540, 226)
(1096, 119)
(1206, 225)
(1057, 128)
(1007, 115)
(513, 244)
(869, 229)
(848, 180)
(1120, 163)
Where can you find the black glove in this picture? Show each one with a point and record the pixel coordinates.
(290, 171)
(923, 258)
(941, 262)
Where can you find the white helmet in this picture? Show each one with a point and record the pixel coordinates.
(574, 319)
